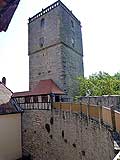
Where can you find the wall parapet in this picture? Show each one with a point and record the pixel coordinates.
(49, 8)
(104, 109)
(106, 116)
(106, 101)
(44, 11)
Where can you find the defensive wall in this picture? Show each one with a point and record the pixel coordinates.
(70, 131)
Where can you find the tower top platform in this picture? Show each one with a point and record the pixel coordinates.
(51, 7)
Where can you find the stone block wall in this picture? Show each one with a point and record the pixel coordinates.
(106, 101)
(46, 64)
(72, 63)
(60, 135)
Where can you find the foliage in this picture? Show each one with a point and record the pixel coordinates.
(99, 84)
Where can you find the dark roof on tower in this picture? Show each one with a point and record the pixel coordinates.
(43, 87)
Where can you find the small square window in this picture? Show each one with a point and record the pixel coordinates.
(39, 73)
(49, 71)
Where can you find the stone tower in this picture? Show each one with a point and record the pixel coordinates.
(55, 47)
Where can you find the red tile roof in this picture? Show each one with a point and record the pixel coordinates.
(21, 94)
(46, 87)
(43, 87)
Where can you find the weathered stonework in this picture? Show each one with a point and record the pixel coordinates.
(60, 135)
(106, 101)
(60, 56)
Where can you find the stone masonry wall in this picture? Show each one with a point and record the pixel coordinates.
(107, 101)
(72, 67)
(60, 135)
(60, 57)
(46, 64)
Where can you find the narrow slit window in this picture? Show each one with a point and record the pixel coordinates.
(72, 24)
(41, 41)
(73, 42)
(42, 23)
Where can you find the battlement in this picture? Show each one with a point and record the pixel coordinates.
(51, 7)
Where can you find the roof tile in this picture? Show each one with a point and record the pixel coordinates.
(43, 87)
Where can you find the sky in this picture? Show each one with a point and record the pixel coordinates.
(100, 21)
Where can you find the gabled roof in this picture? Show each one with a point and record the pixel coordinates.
(7, 105)
(5, 94)
(43, 87)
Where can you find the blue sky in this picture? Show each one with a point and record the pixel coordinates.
(100, 21)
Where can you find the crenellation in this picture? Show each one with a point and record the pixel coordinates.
(44, 11)
(51, 7)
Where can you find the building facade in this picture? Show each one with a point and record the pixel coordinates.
(10, 126)
(55, 47)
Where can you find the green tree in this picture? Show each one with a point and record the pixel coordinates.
(99, 84)
(117, 75)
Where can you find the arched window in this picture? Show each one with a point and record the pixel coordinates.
(42, 24)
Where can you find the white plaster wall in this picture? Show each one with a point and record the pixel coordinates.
(10, 137)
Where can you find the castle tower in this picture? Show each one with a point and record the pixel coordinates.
(55, 47)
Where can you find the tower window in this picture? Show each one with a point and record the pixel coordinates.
(42, 23)
(72, 24)
(73, 42)
(39, 73)
(41, 41)
(49, 71)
